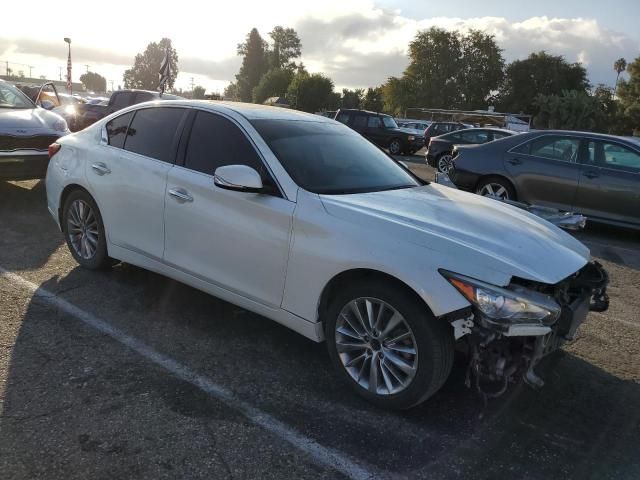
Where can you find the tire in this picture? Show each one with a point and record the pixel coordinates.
(395, 147)
(431, 339)
(84, 231)
(444, 162)
(502, 188)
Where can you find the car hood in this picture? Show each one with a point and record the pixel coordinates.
(28, 121)
(466, 228)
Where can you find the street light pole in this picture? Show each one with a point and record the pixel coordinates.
(69, 86)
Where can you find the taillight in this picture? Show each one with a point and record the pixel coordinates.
(53, 149)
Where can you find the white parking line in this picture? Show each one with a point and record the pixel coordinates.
(319, 453)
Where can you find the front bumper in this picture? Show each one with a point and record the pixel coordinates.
(23, 164)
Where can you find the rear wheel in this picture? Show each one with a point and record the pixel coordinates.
(84, 231)
(395, 147)
(386, 345)
(496, 187)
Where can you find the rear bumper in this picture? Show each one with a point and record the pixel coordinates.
(463, 179)
(23, 164)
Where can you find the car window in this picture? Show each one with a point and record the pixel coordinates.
(618, 157)
(144, 97)
(374, 122)
(215, 142)
(499, 135)
(553, 147)
(389, 122)
(359, 121)
(453, 137)
(122, 99)
(152, 132)
(117, 129)
(478, 136)
(440, 128)
(343, 118)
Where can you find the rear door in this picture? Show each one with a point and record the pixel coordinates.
(545, 170)
(128, 175)
(374, 130)
(609, 184)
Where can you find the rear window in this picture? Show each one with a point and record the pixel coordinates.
(117, 129)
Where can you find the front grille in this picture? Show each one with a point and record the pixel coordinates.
(9, 143)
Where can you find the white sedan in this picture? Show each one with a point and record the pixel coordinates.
(300, 219)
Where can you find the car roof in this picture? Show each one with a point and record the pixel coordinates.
(367, 112)
(602, 136)
(251, 111)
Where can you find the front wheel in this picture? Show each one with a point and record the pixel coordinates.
(395, 147)
(497, 188)
(386, 345)
(445, 162)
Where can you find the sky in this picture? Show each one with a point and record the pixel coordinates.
(357, 43)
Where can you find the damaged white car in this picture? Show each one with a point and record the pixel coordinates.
(302, 220)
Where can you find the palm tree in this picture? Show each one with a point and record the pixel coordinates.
(619, 66)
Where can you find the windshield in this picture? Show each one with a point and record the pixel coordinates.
(389, 122)
(11, 97)
(331, 159)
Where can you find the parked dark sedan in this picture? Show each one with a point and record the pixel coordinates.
(440, 149)
(440, 128)
(592, 174)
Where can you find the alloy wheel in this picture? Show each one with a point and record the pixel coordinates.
(376, 346)
(494, 190)
(82, 228)
(445, 162)
(395, 147)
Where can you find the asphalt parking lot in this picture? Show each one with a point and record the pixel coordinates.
(126, 374)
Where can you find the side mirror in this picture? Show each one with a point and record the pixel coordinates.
(47, 105)
(239, 178)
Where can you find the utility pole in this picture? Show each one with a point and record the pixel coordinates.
(87, 66)
(7, 72)
(111, 81)
(60, 68)
(30, 67)
(192, 85)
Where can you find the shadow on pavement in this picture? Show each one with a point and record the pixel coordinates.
(28, 234)
(78, 405)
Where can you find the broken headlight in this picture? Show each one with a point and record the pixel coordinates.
(506, 306)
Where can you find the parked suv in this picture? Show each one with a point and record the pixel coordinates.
(382, 130)
(440, 128)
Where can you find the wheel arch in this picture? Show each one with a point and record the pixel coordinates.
(66, 191)
(357, 274)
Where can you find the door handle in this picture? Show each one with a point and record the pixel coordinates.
(181, 195)
(100, 168)
(590, 174)
(515, 161)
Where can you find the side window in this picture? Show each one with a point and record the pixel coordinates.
(555, 148)
(117, 129)
(374, 122)
(215, 142)
(343, 118)
(143, 97)
(480, 136)
(454, 137)
(359, 121)
(123, 99)
(619, 157)
(152, 132)
(499, 135)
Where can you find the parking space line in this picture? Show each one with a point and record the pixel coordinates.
(320, 454)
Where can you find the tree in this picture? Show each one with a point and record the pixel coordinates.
(310, 93)
(286, 47)
(198, 93)
(398, 95)
(146, 66)
(539, 74)
(352, 98)
(231, 92)
(435, 62)
(373, 100)
(608, 121)
(481, 69)
(619, 66)
(274, 83)
(629, 96)
(571, 110)
(254, 64)
(94, 81)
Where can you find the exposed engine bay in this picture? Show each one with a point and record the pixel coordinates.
(504, 352)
